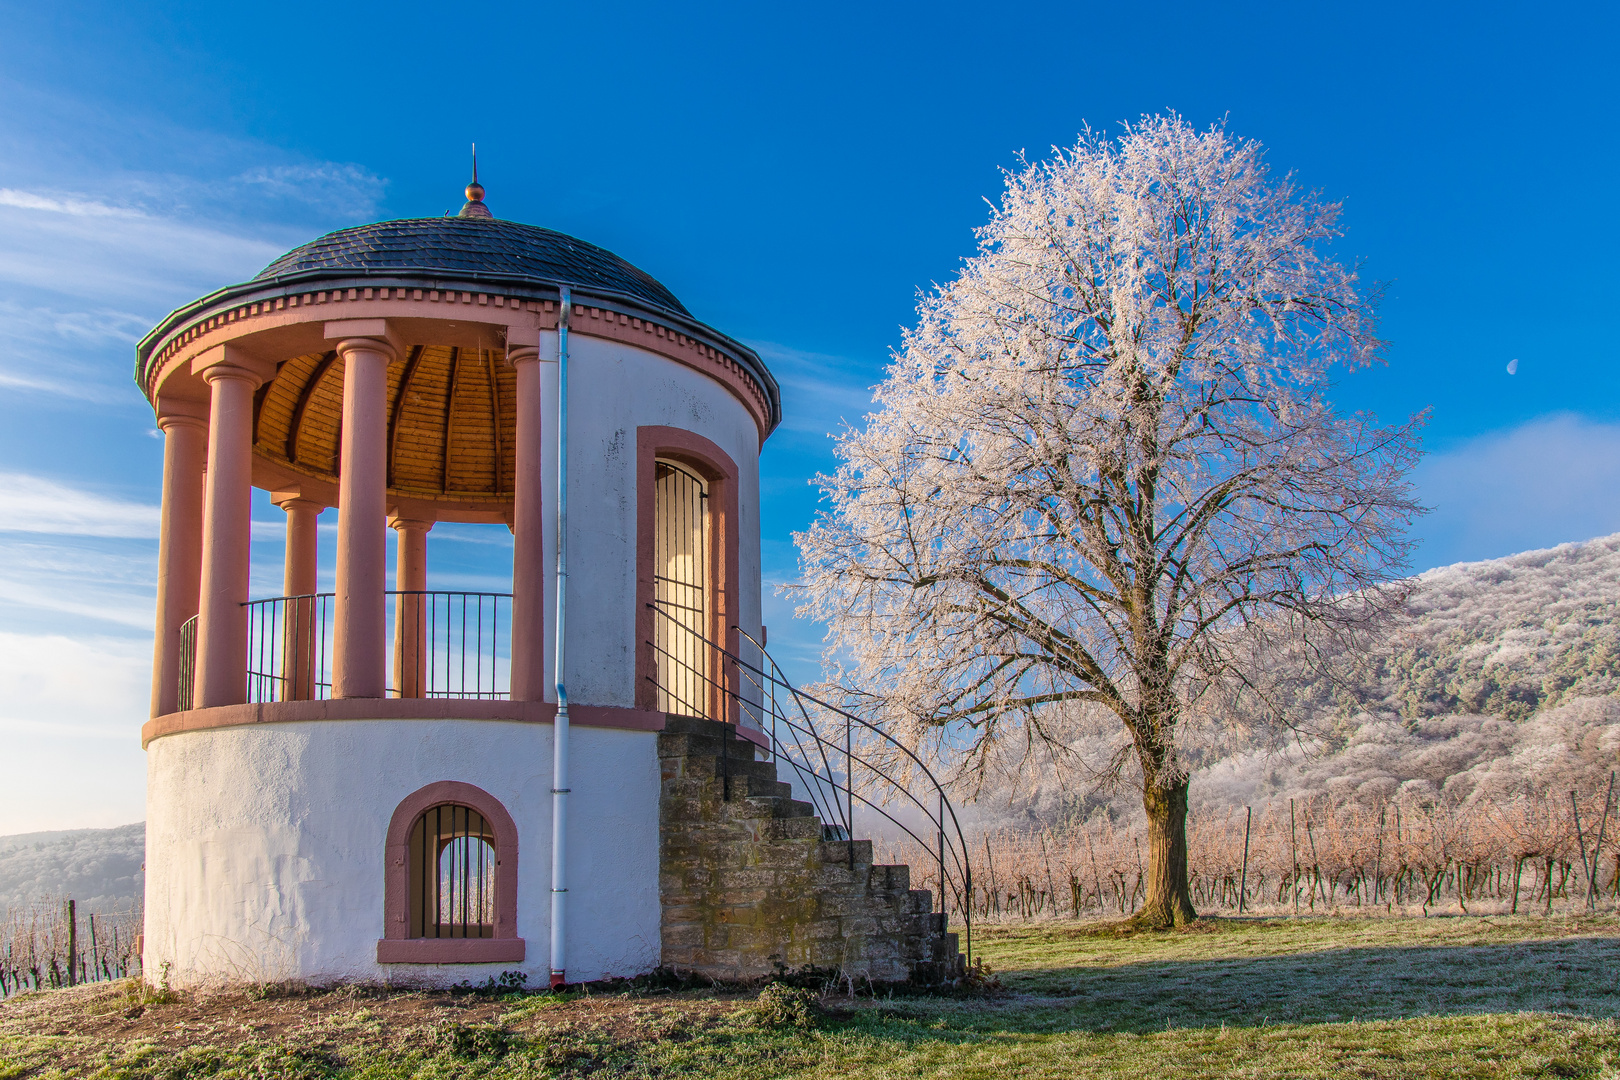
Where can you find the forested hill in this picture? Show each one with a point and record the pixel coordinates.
(1504, 675)
(100, 868)
(1506, 638)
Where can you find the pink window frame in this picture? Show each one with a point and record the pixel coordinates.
(395, 947)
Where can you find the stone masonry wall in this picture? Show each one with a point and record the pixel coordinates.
(750, 888)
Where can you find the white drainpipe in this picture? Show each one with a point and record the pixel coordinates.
(559, 764)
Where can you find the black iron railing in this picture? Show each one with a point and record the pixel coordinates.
(813, 739)
(454, 645)
(289, 648)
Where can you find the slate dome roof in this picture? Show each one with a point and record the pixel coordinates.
(472, 252)
(486, 248)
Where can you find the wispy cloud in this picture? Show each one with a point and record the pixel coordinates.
(31, 504)
(87, 583)
(83, 355)
(1547, 482)
(12, 380)
(78, 247)
(337, 189)
(27, 200)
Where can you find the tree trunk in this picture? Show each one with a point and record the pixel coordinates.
(1168, 900)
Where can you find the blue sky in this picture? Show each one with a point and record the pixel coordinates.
(795, 175)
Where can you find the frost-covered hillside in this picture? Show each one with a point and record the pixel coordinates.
(100, 868)
(1505, 638)
(1504, 675)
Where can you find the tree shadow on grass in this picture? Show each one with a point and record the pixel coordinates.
(1578, 976)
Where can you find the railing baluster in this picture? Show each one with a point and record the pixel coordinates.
(288, 646)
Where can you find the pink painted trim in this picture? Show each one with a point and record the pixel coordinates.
(396, 880)
(295, 316)
(758, 738)
(653, 442)
(451, 951)
(289, 712)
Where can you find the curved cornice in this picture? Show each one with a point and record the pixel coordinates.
(705, 345)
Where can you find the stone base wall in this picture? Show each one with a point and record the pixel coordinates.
(749, 887)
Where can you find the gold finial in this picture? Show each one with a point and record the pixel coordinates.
(475, 207)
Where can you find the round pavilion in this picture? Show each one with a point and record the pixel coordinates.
(313, 756)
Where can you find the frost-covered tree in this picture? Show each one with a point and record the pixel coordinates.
(1103, 460)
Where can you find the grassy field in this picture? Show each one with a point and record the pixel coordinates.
(1473, 997)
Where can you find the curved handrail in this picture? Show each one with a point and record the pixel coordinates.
(885, 736)
(951, 856)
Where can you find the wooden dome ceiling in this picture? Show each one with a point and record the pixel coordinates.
(451, 416)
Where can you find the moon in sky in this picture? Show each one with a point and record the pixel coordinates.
(1513, 366)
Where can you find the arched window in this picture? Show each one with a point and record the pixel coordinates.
(452, 864)
(450, 882)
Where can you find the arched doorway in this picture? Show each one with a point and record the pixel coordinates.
(681, 588)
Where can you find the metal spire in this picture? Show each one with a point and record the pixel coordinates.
(475, 207)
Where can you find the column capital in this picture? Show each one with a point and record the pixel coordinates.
(371, 335)
(290, 501)
(289, 497)
(405, 524)
(230, 362)
(181, 412)
(522, 354)
(165, 421)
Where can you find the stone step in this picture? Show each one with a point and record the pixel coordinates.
(838, 851)
(917, 901)
(744, 807)
(676, 724)
(785, 827)
(690, 744)
(891, 877)
(707, 765)
(754, 786)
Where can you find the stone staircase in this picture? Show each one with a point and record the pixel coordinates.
(750, 888)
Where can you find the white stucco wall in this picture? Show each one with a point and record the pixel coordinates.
(265, 846)
(614, 389)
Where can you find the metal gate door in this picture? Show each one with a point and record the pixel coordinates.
(681, 588)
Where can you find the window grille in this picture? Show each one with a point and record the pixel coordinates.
(452, 881)
(680, 588)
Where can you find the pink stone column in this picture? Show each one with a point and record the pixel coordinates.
(227, 535)
(301, 628)
(185, 444)
(410, 611)
(360, 646)
(528, 549)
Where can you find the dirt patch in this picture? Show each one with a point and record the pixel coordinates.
(108, 1018)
